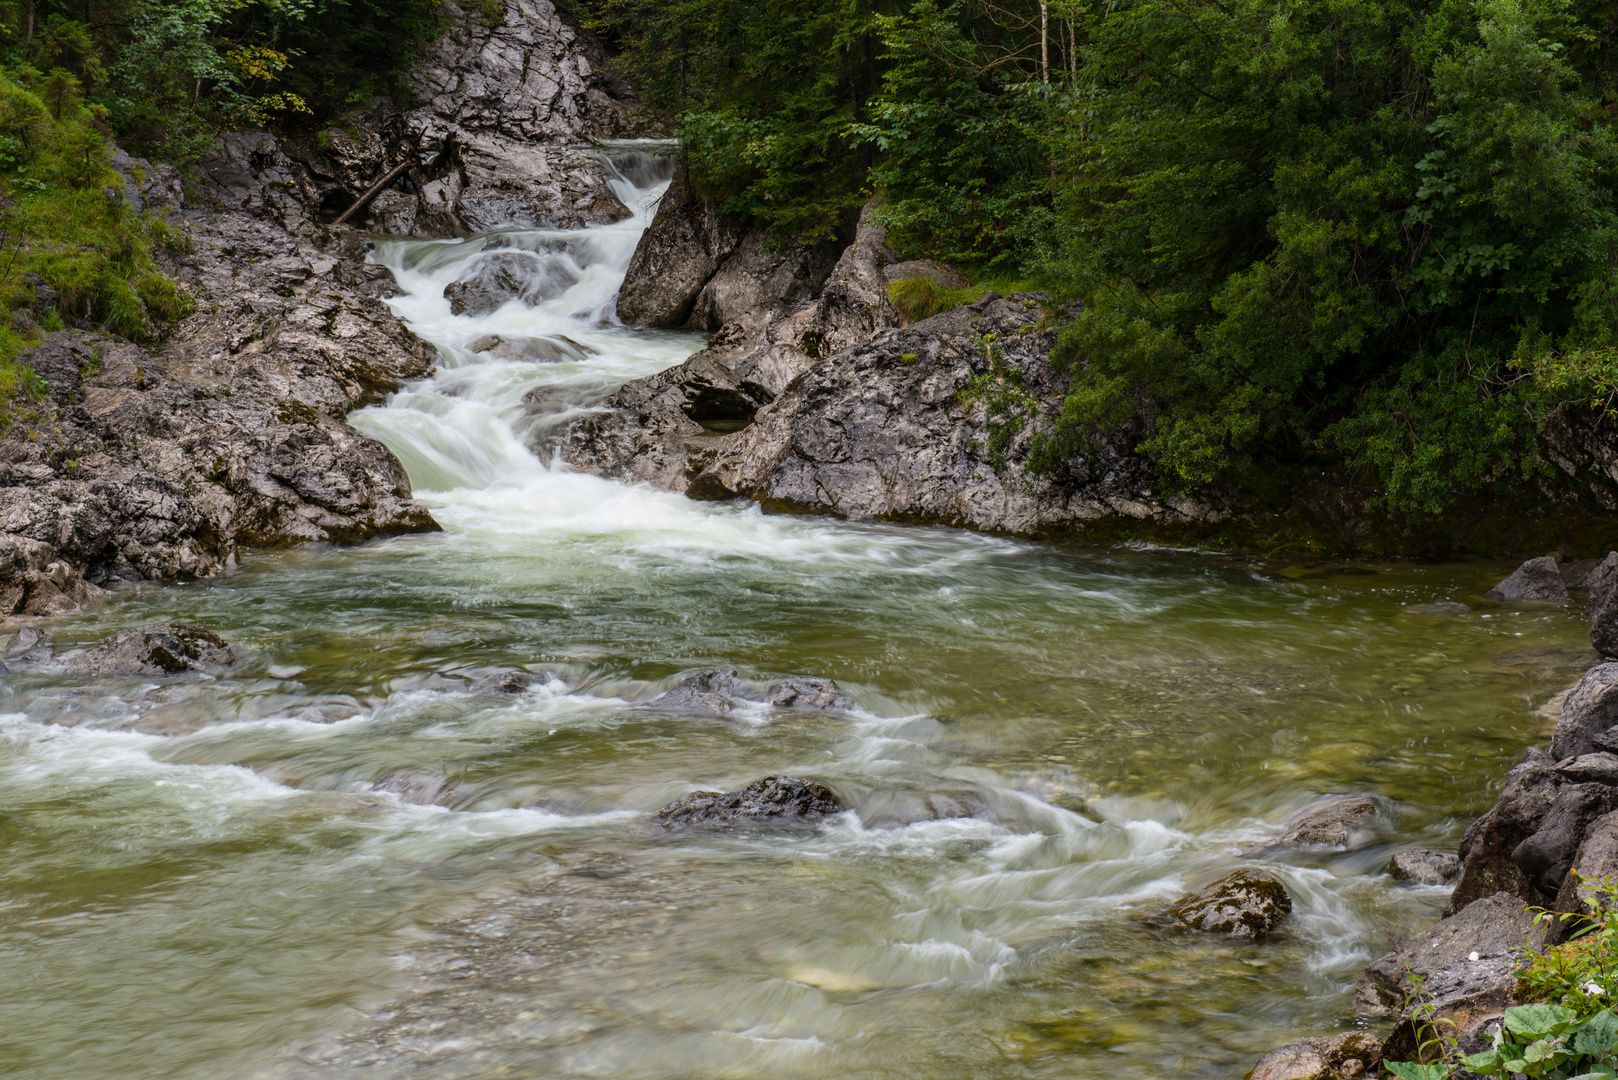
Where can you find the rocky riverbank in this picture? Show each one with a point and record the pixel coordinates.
(158, 461)
(1548, 841)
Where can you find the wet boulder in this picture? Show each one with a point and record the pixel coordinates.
(155, 649)
(494, 281)
(1340, 823)
(1349, 1056)
(418, 788)
(772, 800)
(1602, 606)
(29, 645)
(1465, 968)
(530, 350)
(507, 682)
(1248, 903)
(713, 692)
(1526, 842)
(1421, 866)
(1589, 712)
(818, 694)
(1536, 579)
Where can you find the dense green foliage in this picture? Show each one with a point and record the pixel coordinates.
(1382, 229)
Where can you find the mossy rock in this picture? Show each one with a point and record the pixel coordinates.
(1248, 903)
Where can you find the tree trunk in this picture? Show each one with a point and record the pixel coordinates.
(30, 20)
(1044, 43)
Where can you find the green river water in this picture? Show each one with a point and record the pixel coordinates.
(197, 882)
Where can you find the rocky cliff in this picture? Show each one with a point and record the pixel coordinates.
(162, 460)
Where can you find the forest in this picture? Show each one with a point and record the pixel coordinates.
(1377, 232)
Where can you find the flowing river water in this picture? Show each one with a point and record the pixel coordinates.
(197, 882)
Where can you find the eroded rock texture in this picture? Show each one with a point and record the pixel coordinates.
(777, 800)
(1248, 903)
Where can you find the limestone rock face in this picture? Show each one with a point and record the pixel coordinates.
(1536, 579)
(1469, 992)
(1248, 904)
(156, 649)
(675, 258)
(773, 800)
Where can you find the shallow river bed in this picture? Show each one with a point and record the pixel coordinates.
(198, 882)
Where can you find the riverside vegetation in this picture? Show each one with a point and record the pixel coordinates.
(1377, 234)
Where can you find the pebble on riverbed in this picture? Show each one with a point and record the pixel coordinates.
(1248, 903)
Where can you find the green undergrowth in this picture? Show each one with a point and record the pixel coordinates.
(920, 298)
(64, 222)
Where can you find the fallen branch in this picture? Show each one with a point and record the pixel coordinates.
(372, 191)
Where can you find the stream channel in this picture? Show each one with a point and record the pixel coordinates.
(197, 882)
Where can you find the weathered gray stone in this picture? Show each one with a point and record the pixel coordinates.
(1424, 867)
(1470, 993)
(713, 692)
(534, 350)
(1349, 1056)
(820, 694)
(1589, 711)
(1536, 579)
(1592, 880)
(155, 649)
(1602, 606)
(775, 800)
(1248, 903)
(29, 640)
(1340, 823)
(935, 272)
(674, 259)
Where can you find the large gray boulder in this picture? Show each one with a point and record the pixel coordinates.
(1589, 712)
(154, 649)
(1525, 844)
(1536, 579)
(1247, 903)
(774, 800)
(1464, 968)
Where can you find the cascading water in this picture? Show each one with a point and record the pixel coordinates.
(200, 882)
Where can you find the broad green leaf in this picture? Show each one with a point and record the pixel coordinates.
(1601, 1072)
(1597, 1035)
(1410, 1070)
(1538, 1020)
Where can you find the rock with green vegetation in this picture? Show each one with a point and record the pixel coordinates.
(1247, 903)
(1463, 971)
(155, 649)
(1589, 885)
(1536, 579)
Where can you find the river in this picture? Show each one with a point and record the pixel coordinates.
(197, 882)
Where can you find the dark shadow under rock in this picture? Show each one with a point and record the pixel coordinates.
(1248, 903)
(1421, 866)
(1536, 579)
(774, 800)
(155, 649)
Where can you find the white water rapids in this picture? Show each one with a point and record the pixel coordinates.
(199, 881)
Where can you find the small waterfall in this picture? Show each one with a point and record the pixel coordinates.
(540, 341)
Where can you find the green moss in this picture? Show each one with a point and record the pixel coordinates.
(920, 298)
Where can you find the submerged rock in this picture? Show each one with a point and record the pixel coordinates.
(713, 692)
(808, 694)
(1424, 867)
(1536, 579)
(534, 350)
(420, 788)
(1340, 823)
(774, 799)
(718, 691)
(1347, 1057)
(1248, 903)
(494, 281)
(155, 649)
(30, 644)
(1465, 969)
